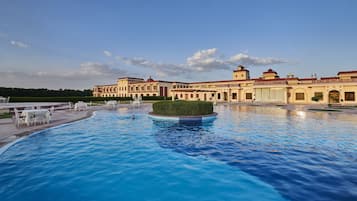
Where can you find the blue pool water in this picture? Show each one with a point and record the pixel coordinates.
(247, 153)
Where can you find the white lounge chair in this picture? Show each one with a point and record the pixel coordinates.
(80, 106)
(19, 120)
(112, 104)
(70, 105)
(52, 110)
(42, 118)
(2, 99)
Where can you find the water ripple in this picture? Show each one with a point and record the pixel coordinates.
(310, 157)
(248, 153)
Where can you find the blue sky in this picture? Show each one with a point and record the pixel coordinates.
(76, 44)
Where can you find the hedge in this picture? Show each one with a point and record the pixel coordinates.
(156, 98)
(182, 108)
(80, 98)
(21, 92)
(66, 99)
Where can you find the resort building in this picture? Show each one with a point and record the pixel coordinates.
(135, 87)
(269, 88)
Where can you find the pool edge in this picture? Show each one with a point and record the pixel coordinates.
(4, 148)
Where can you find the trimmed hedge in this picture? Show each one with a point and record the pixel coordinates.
(21, 92)
(66, 99)
(182, 108)
(81, 98)
(156, 98)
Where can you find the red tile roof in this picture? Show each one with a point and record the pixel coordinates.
(346, 72)
(328, 78)
(192, 90)
(269, 71)
(311, 78)
(241, 70)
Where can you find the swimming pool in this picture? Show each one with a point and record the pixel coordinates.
(247, 153)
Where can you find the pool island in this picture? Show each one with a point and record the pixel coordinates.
(183, 111)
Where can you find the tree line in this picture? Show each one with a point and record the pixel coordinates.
(22, 92)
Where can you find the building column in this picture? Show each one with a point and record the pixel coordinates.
(229, 95)
(286, 98)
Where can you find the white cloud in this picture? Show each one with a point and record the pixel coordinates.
(162, 69)
(201, 61)
(3, 35)
(243, 58)
(206, 60)
(98, 69)
(86, 75)
(107, 53)
(19, 44)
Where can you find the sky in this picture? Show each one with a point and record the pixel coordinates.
(78, 44)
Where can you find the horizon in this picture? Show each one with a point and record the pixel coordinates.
(76, 45)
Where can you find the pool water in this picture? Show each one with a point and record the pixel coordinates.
(247, 153)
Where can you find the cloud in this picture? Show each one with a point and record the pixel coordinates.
(19, 44)
(98, 69)
(162, 69)
(206, 60)
(107, 53)
(245, 59)
(3, 35)
(86, 75)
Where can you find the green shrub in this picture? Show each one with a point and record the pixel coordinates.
(316, 99)
(182, 108)
(66, 99)
(5, 115)
(156, 98)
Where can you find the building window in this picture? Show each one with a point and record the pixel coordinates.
(248, 96)
(218, 96)
(234, 95)
(143, 88)
(137, 88)
(197, 95)
(191, 95)
(319, 95)
(300, 96)
(181, 96)
(349, 96)
(154, 94)
(155, 87)
(148, 88)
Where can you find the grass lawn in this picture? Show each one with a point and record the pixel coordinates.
(325, 110)
(5, 115)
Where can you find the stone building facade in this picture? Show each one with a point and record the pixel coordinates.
(269, 88)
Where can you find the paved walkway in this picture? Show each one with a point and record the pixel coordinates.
(9, 132)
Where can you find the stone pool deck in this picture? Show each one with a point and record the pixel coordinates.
(9, 132)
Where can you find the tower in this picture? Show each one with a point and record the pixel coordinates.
(241, 73)
(270, 75)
